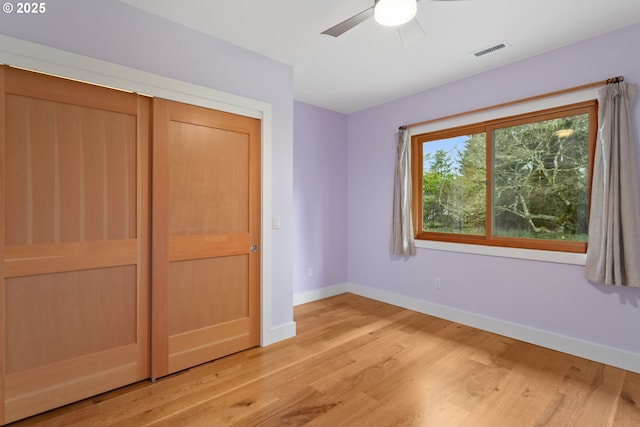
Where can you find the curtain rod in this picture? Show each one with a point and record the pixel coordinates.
(618, 79)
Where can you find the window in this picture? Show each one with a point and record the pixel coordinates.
(521, 181)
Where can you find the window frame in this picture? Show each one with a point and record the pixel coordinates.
(487, 126)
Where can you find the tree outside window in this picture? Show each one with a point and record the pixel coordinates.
(519, 181)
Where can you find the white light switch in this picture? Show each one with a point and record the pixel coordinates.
(275, 222)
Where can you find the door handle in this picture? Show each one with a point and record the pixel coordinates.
(253, 248)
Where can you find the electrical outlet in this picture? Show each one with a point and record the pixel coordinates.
(437, 283)
(309, 272)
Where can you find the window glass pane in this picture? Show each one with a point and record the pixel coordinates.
(540, 179)
(453, 185)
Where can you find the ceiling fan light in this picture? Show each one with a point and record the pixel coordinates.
(392, 13)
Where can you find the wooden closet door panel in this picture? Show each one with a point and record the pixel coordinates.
(42, 330)
(206, 217)
(206, 292)
(74, 240)
(72, 172)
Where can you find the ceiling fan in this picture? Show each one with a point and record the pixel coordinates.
(387, 12)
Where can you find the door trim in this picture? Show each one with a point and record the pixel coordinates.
(36, 57)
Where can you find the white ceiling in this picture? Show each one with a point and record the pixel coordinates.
(369, 64)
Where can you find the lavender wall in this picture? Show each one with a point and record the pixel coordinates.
(319, 197)
(120, 34)
(546, 296)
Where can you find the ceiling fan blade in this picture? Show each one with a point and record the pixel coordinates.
(348, 24)
(411, 32)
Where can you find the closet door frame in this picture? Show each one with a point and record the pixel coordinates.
(21, 53)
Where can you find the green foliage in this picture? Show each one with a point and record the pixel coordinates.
(539, 182)
(540, 178)
(454, 189)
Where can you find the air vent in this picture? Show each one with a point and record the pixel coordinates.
(491, 49)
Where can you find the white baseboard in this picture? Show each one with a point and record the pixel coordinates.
(279, 333)
(317, 294)
(588, 350)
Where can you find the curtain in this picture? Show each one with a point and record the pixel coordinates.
(402, 230)
(613, 254)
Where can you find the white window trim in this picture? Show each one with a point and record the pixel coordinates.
(500, 112)
(501, 251)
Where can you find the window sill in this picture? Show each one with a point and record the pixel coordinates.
(527, 254)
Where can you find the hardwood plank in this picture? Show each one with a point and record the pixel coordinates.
(361, 362)
(628, 411)
(572, 399)
(351, 414)
(604, 394)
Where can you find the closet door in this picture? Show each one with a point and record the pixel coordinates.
(206, 231)
(73, 241)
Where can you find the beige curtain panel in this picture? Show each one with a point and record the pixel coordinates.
(613, 254)
(402, 242)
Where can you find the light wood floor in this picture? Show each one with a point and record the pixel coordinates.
(358, 362)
